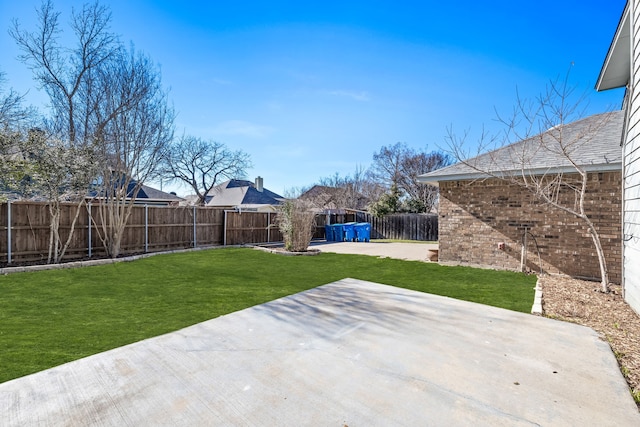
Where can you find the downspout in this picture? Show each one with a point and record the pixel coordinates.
(523, 255)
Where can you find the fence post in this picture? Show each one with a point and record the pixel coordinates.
(89, 231)
(146, 228)
(268, 227)
(224, 230)
(194, 226)
(9, 232)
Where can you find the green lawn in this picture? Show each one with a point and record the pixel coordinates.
(51, 317)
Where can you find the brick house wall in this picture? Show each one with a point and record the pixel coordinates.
(475, 216)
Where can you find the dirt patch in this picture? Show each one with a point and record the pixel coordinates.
(581, 302)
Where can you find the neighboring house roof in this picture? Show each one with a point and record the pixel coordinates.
(616, 69)
(237, 192)
(151, 193)
(594, 145)
(147, 194)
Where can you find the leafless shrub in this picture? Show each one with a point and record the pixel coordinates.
(296, 221)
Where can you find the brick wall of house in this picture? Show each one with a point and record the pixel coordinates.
(476, 216)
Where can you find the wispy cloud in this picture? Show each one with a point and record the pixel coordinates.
(244, 128)
(355, 95)
(221, 82)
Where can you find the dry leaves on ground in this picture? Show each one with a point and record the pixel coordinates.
(581, 302)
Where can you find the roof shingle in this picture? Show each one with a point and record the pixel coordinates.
(593, 143)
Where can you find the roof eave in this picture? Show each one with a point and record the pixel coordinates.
(471, 176)
(616, 69)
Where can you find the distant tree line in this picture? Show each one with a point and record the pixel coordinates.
(389, 185)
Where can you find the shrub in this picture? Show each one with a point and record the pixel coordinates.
(296, 221)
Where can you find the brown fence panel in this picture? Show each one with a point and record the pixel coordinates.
(149, 229)
(423, 227)
(210, 226)
(251, 227)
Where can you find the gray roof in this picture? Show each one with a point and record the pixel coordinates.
(147, 192)
(593, 143)
(237, 192)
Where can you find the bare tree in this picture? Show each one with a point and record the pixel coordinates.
(420, 197)
(350, 191)
(136, 127)
(398, 167)
(106, 100)
(539, 125)
(387, 164)
(14, 120)
(203, 164)
(67, 74)
(13, 115)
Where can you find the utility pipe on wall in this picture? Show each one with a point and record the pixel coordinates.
(523, 256)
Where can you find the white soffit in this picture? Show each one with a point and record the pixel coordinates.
(617, 65)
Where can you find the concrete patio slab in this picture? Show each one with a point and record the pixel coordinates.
(348, 353)
(399, 250)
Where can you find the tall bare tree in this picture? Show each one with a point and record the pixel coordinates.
(202, 164)
(135, 129)
(105, 99)
(68, 74)
(541, 123)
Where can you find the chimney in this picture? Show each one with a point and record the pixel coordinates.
(259, 186)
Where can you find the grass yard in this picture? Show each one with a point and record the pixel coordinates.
(51, 317)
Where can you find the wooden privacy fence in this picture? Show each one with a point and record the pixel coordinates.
(423, 227)
(24, 230)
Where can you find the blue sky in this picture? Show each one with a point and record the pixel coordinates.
(309, 89)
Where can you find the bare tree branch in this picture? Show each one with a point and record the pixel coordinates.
(203, 164)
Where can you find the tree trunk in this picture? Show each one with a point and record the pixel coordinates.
(604, 273)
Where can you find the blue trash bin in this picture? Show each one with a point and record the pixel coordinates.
(328, 233)
(363, 231)
(338, 232)
(349, 231)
